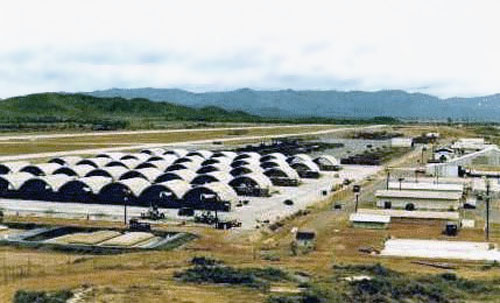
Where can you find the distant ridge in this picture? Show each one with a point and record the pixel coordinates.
(328, 104)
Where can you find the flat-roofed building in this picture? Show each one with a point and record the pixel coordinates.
(402, 142)
(372, 221)
(427, 186)
(418, 200)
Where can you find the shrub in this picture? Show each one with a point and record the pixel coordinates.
(24, 296)
(206, 270)
(206, 261)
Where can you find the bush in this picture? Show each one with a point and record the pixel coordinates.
(220, 275)
(205, 261)
(208, 270)
(24, 296)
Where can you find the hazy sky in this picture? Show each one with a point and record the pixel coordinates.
(445, 48)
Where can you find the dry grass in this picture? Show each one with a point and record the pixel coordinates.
(85, 142)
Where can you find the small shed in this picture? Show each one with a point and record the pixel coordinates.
(399, 142)
(305, 237)
(370, 221)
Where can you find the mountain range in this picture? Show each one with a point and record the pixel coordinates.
(327, 104)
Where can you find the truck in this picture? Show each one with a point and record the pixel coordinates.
(135, 225)
(153, 213)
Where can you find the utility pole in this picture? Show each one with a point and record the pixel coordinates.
(422, 157)
(356, 190)
(401, 179)
(388, 177)
(487, 229)
(125, 200)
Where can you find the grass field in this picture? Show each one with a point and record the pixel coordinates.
(83, 142)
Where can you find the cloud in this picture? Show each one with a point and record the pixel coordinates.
(443, 47)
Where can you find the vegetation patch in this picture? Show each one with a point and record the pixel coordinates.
(384, 285)
(206, 270)
(25, 296)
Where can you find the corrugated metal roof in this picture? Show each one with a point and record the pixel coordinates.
(185, 174)
(97, 162)
(275, 156)
(261, 180)
(135, 185)
(166, 158)
(94, 183)
(178, 187)
(160, 165)
(247, 155)
(413, 194)
(137, 156)
(308, 165)
(205, 154)
(112, 155)
(327, 160)
(67, 160)
(222, 176)
(153, 151)
(16, 180)
(303, 157)
(114, 172)
(245, 162)
(179, 152)
(15, 166)
(56, 181)
(247, 169)
(78, 170)
(149, 173)
(218, 161)
(45, 168)
(287, 171)
(224, 191)
(224, 154)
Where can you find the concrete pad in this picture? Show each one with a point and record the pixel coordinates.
(441, 249)
(414, 214)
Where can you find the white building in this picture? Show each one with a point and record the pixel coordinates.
(427, 186)
(371, 221)
(418, 200)
(402, 142)
(468, 145)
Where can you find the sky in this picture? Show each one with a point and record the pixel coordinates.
(440, 47)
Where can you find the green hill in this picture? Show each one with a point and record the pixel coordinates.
(116, 112)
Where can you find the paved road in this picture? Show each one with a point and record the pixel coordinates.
(135, 132)
(152, 145)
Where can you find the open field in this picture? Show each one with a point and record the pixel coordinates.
(64, 142)
(149, 276)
